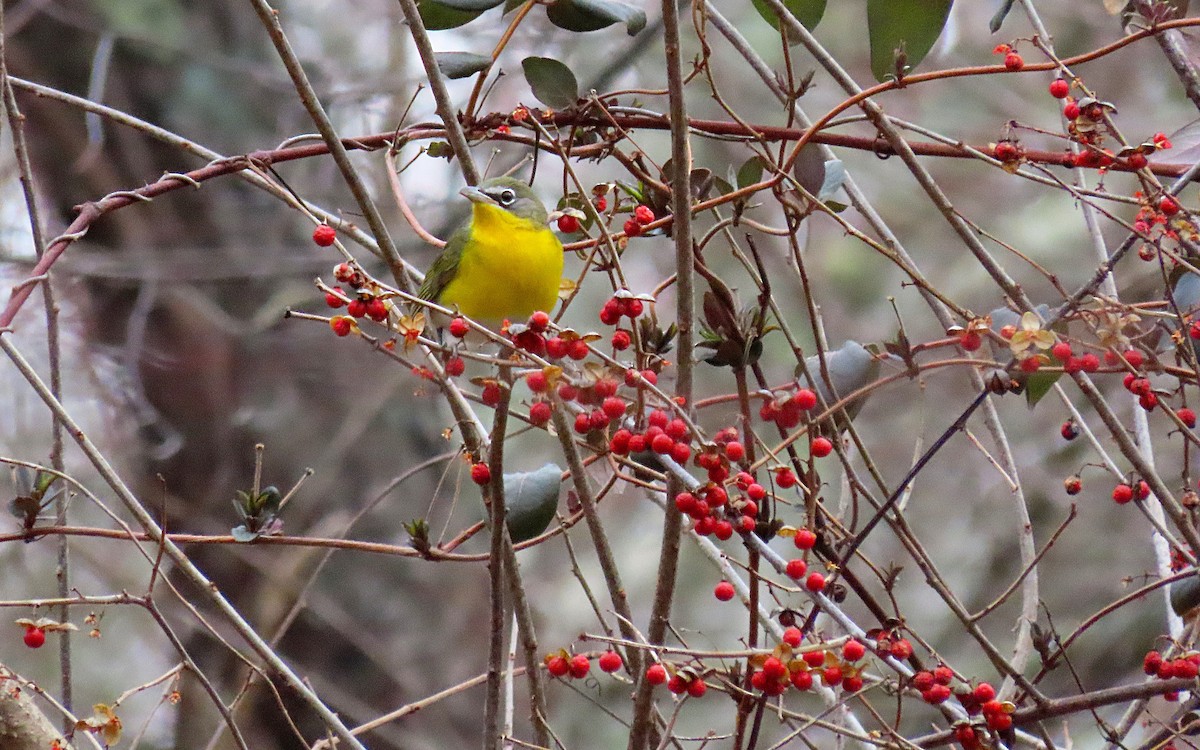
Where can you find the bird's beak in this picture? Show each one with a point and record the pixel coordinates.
(475, 195)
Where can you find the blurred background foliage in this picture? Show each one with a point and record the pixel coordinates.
(179, 356)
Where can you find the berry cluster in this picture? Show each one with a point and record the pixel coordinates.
(1185, 667)
(1124, 492)
(364, 300)
(782, 669)
(563, 664)
(642, 215)
(621, 305)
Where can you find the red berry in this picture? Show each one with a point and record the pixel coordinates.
(831, 675)
(558, 666)
(804, 399)
(936, 694)
(1069, 430)
(681, 453)
(1143, 490)
(814, 659)
(662, 444)
(984, 692)
(756, 492)
(678, 430)
(609, 661)
(619, 444)
(1168, 205)
(614, 407)
(632, 228)
(901, 649)
(600, 203)
(633, 307)
(1031, 364)
(539, 321)
(357, 308)
(1089, 362)
(1134, 358)
(580, 666)
(324, 235)
(656, 674)
(1073, 485)
(1006, 151)
(334, 300)
(455, 366)
(459, 328)
(815, 582)
(853, 650)
(676, 685)
(377, 310)
(1071, 110)
(536, 381)
(724, 591)
(696, 688)
(557, 347)
(1061, 351)
(539, 413)
(1151, 663)
(805, 539)
(621, 340)
(1059, 88)
(341, 325)
(610, 313)
(481, 473)
(773, 668)
(923, 681)
(785, 478)
(735, 451)
(568, 224)
(491, 394)
(999, 722)
(1187, 416)
(583, 423)
(723, 530)
(1014, 61)
(34, 637)
(802, 680)
(579, 350)
(1148, 401)
(1137, 160)
(943, 675)
(793, 637)
(821, 447)
(643, 214)
(852, 684)
(796, 568)
(1122, 494)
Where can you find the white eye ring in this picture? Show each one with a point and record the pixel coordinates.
(507, 196)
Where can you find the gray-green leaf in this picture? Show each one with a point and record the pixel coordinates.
(593, 15)
(456, 65)
(552, 82)
(911, 25)
(531, 499)
(807, 12)
(438, 16)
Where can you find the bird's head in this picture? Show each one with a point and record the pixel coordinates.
(509, 194)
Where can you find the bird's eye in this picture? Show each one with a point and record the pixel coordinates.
(507, 196)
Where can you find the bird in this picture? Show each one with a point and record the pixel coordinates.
(504, 263)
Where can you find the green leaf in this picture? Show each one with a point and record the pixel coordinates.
(593, 15)
(438, 16)
(807, 12)
(1038, 384)
(456, 65)
(531, 499)
(809, 168)
(750, 172)
(908, 25)
(998, 19)
(552, 82)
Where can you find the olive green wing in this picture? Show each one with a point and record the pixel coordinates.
(445, 268)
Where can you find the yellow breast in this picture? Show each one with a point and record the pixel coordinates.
(509, 268)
